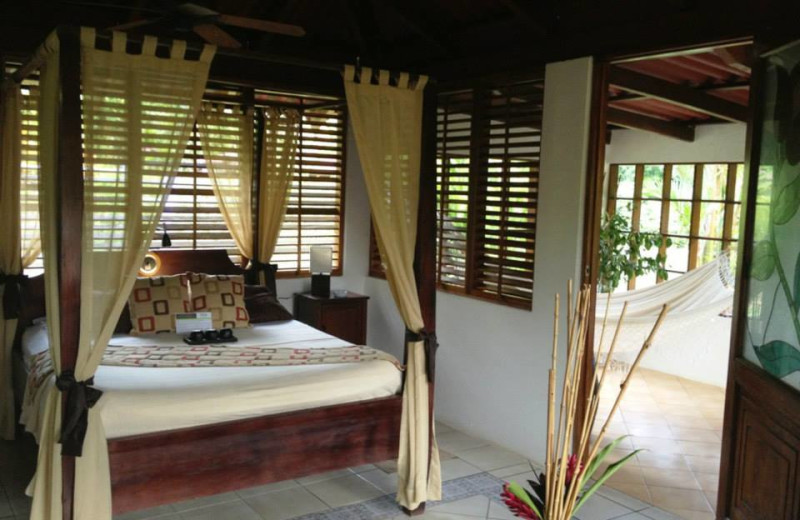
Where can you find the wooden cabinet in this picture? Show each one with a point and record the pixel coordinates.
(345, 317)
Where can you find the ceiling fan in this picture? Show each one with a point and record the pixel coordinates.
(206, 23)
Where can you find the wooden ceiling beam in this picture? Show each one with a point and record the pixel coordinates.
(528, 14)
(414, 19)
(734, 85)
(738, 58)
(676, 94)
(635, 121)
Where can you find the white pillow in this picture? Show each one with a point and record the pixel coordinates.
(34, 341)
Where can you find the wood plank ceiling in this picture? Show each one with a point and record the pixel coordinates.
(452, 39)
(672, 94)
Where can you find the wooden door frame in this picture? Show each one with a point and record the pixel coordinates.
(593, 204)
(752, 157)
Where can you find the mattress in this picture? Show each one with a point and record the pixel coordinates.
(139, 400)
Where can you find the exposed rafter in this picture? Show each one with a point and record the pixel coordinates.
(738, 58)
(415, 20)
(626, 119)
(528, 14)
(675, 94)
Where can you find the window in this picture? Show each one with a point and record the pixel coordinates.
(29, 181)
(191, 216)
(487, 191)
(314, 215)
(698, 206)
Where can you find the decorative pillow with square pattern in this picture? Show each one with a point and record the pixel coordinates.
(222, 296)
(155, 301)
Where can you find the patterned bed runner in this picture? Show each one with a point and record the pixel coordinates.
(221, 356)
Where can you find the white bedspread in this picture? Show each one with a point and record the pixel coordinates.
(142, 400)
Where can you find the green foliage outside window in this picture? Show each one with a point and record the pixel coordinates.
(625, 253)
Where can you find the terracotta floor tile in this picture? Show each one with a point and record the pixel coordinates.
(662, 460)
(674, 478)
(692, 515)
(708, 481)
(703, 449)
(674, 498)
(702, 464)
(695, 434)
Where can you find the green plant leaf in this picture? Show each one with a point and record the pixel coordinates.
(779, 358)
(521, 494)
(598, 459)
(787, 203)
(797, 283)
(606, 475)
(763, 260)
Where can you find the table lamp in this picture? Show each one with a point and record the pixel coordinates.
(321, 266)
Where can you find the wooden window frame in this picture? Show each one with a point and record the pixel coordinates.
(302, 105)
(337, 270)
(694, 237)
(492, 139)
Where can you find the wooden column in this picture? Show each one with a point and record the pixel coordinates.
(69, 183)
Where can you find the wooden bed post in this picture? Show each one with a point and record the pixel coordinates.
(425, 254)
(69, 184)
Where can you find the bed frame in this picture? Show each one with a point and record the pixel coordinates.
(153, 469)
(163, 467)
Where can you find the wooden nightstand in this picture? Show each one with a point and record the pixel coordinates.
(345, 318)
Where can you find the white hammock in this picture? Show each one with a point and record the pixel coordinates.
(695, 299)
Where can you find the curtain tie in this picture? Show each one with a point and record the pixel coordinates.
(80, 397)
(12, 296)
(256, 268)
(431, 346)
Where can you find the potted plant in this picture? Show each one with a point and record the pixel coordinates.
(626, 253)
(569, 480)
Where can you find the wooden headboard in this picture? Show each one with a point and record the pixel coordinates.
(168, 262)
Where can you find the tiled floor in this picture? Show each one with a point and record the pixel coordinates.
(679, 424)
(467, 462)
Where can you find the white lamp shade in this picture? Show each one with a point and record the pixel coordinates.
(321, 259)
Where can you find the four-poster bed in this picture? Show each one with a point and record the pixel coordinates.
(161, 467)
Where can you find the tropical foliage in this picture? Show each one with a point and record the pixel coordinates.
(530, 504)
(625, 253)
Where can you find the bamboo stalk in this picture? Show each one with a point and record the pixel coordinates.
(560, 502)
(551, 404)
(572, 375)
(624, 386)
(580, 341)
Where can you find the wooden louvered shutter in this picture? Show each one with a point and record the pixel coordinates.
(314, 215)
(29, 179)
(191, 214)
(506, 191)
(454, 132)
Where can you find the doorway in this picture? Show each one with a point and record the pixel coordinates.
(670, 205)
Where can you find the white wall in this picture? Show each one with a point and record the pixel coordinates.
(712, 143)
(493, 361)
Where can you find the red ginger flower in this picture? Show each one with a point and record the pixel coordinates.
(572, 468)
(517, 506)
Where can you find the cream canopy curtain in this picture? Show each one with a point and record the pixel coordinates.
(138, 112)
(278, 162)
(230, 167)
(20, 243)
(387, 122)
(10, 240)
